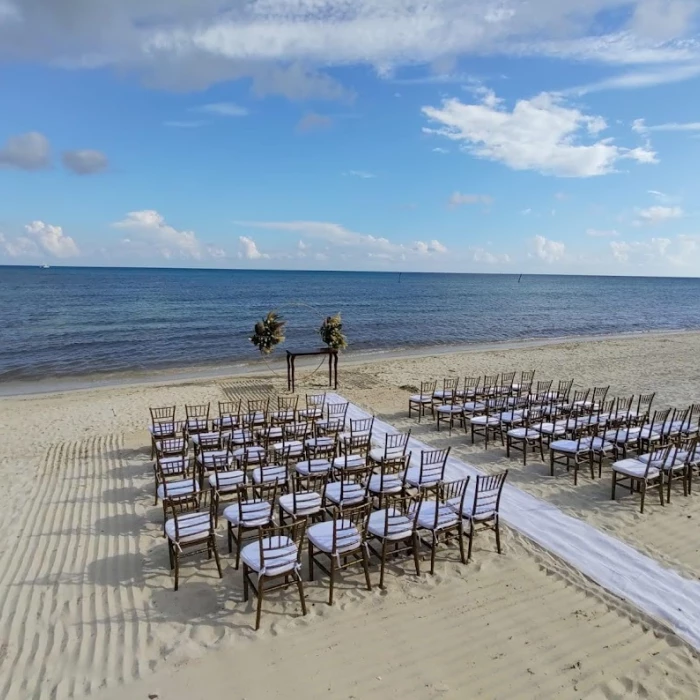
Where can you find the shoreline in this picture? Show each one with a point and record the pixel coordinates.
(259, 368)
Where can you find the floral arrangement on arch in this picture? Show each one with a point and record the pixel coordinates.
(268, 333)
(331, 332)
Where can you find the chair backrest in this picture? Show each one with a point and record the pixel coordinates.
(349, 527)
(599, 394)
(185, 528)
(690, 424)
(361, 425)
(534, 414)
(542, 390)
(471, 387)
(280, 547)
(427, 389)
(256, 501)
(229, 409)
(489, 384)
(200, 411)
(171, 495)
(298, 430)
(564, 387)
(211, 441)
(449, 387)
(170, 447)
(487, 494)
(316, 403)
(183, 463)
(622, 409)
(604, 412)
(162, 414)
(322, 449)
(395, 445)
(337, 410)
(644, 404)
(579, 401)
(526, 378)
(432, 465)
(660, 420)
(453, 493)
(305, 486)
(496, 405)
(681, 418)
(287, 403)
(507, 381)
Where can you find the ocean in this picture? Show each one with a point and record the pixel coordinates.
(71, 322)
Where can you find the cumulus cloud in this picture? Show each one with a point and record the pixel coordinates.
(362, 174)
(148, 231)
(430, 247)
(30, 151)
(651, 252)
(457, 199)
(249, 249)
(481, 255)
(657, 215)
(51, 240)
(285, 46)
(641, 127)
(85, 162)
(544, 134)
(547, 250)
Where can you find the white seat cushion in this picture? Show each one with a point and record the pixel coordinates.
(417, 398)
(313, 466)
(162, 429)
(485, 514)
(443, 394)
(352, 493)
(474, 406)
(311, 412)
(287, 415)
(255, 418)
(485, 420)
(450, 409)
(294, 447)
(522, 433)
(633, 467)
(177, 489)
(255, 453)
(353, 462)
(597, 444)
(549, 428)
(276, 433)
(622, 436)
(239, 437)
(193, 424)
(191, 526)
(327, 442)
(173, 465)
(252, 513)
(280, 556)
(425, 516)
(391, 483)
(568, 446)
(321, 536)
(357, 435)
(397, 526)
(226, 422)
(308, 503)
(512, 417)
(270, 473)
(228, 481)
(676, 460)
(206, 459)
(205, 437)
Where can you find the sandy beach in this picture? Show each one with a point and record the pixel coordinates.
(86, 599)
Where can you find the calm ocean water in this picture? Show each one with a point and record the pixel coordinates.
(76, 321)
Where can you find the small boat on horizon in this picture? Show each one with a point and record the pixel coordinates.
(44, 266)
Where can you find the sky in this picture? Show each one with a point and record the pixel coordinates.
(521, 136)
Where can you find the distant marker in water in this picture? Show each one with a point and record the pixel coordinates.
(400, 277)
(519, 278)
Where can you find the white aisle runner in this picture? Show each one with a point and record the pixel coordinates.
(614, 565)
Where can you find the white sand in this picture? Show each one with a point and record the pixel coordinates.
(86, 595)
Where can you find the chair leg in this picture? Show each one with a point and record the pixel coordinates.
(170, 554)
(300, 587)
(460, 534)
(471, 539)
(644, 492)
(432, 554)
(551, 463)
(177, 568)
(614, 483)
(245, 583)
(416, 552)
(365, 565)
(332, 570)
(498, 534)
(661, 488)
(229, 533)
(311, 562)
(261, 591)
(215, 549)
(238, 547)
(381, 571)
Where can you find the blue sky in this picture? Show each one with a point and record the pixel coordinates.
(327, 134)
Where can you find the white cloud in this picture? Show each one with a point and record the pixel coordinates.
(222, 109)
(30, 151)
(640, 126)
(458, 199)
(658, 214)
(481, 255)
(249, 249)
(433, 246)
(85, 162)
(20, 247)
(284, 46)
(656, 251)
(149, 231)
(51, 239)
(362, 174)
(547, 250)
(641, 79)
(301, 245)
(542, 134)
(440, 149)
(601, 233)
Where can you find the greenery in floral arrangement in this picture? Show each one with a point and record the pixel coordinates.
(268, 333)
(331, 333)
